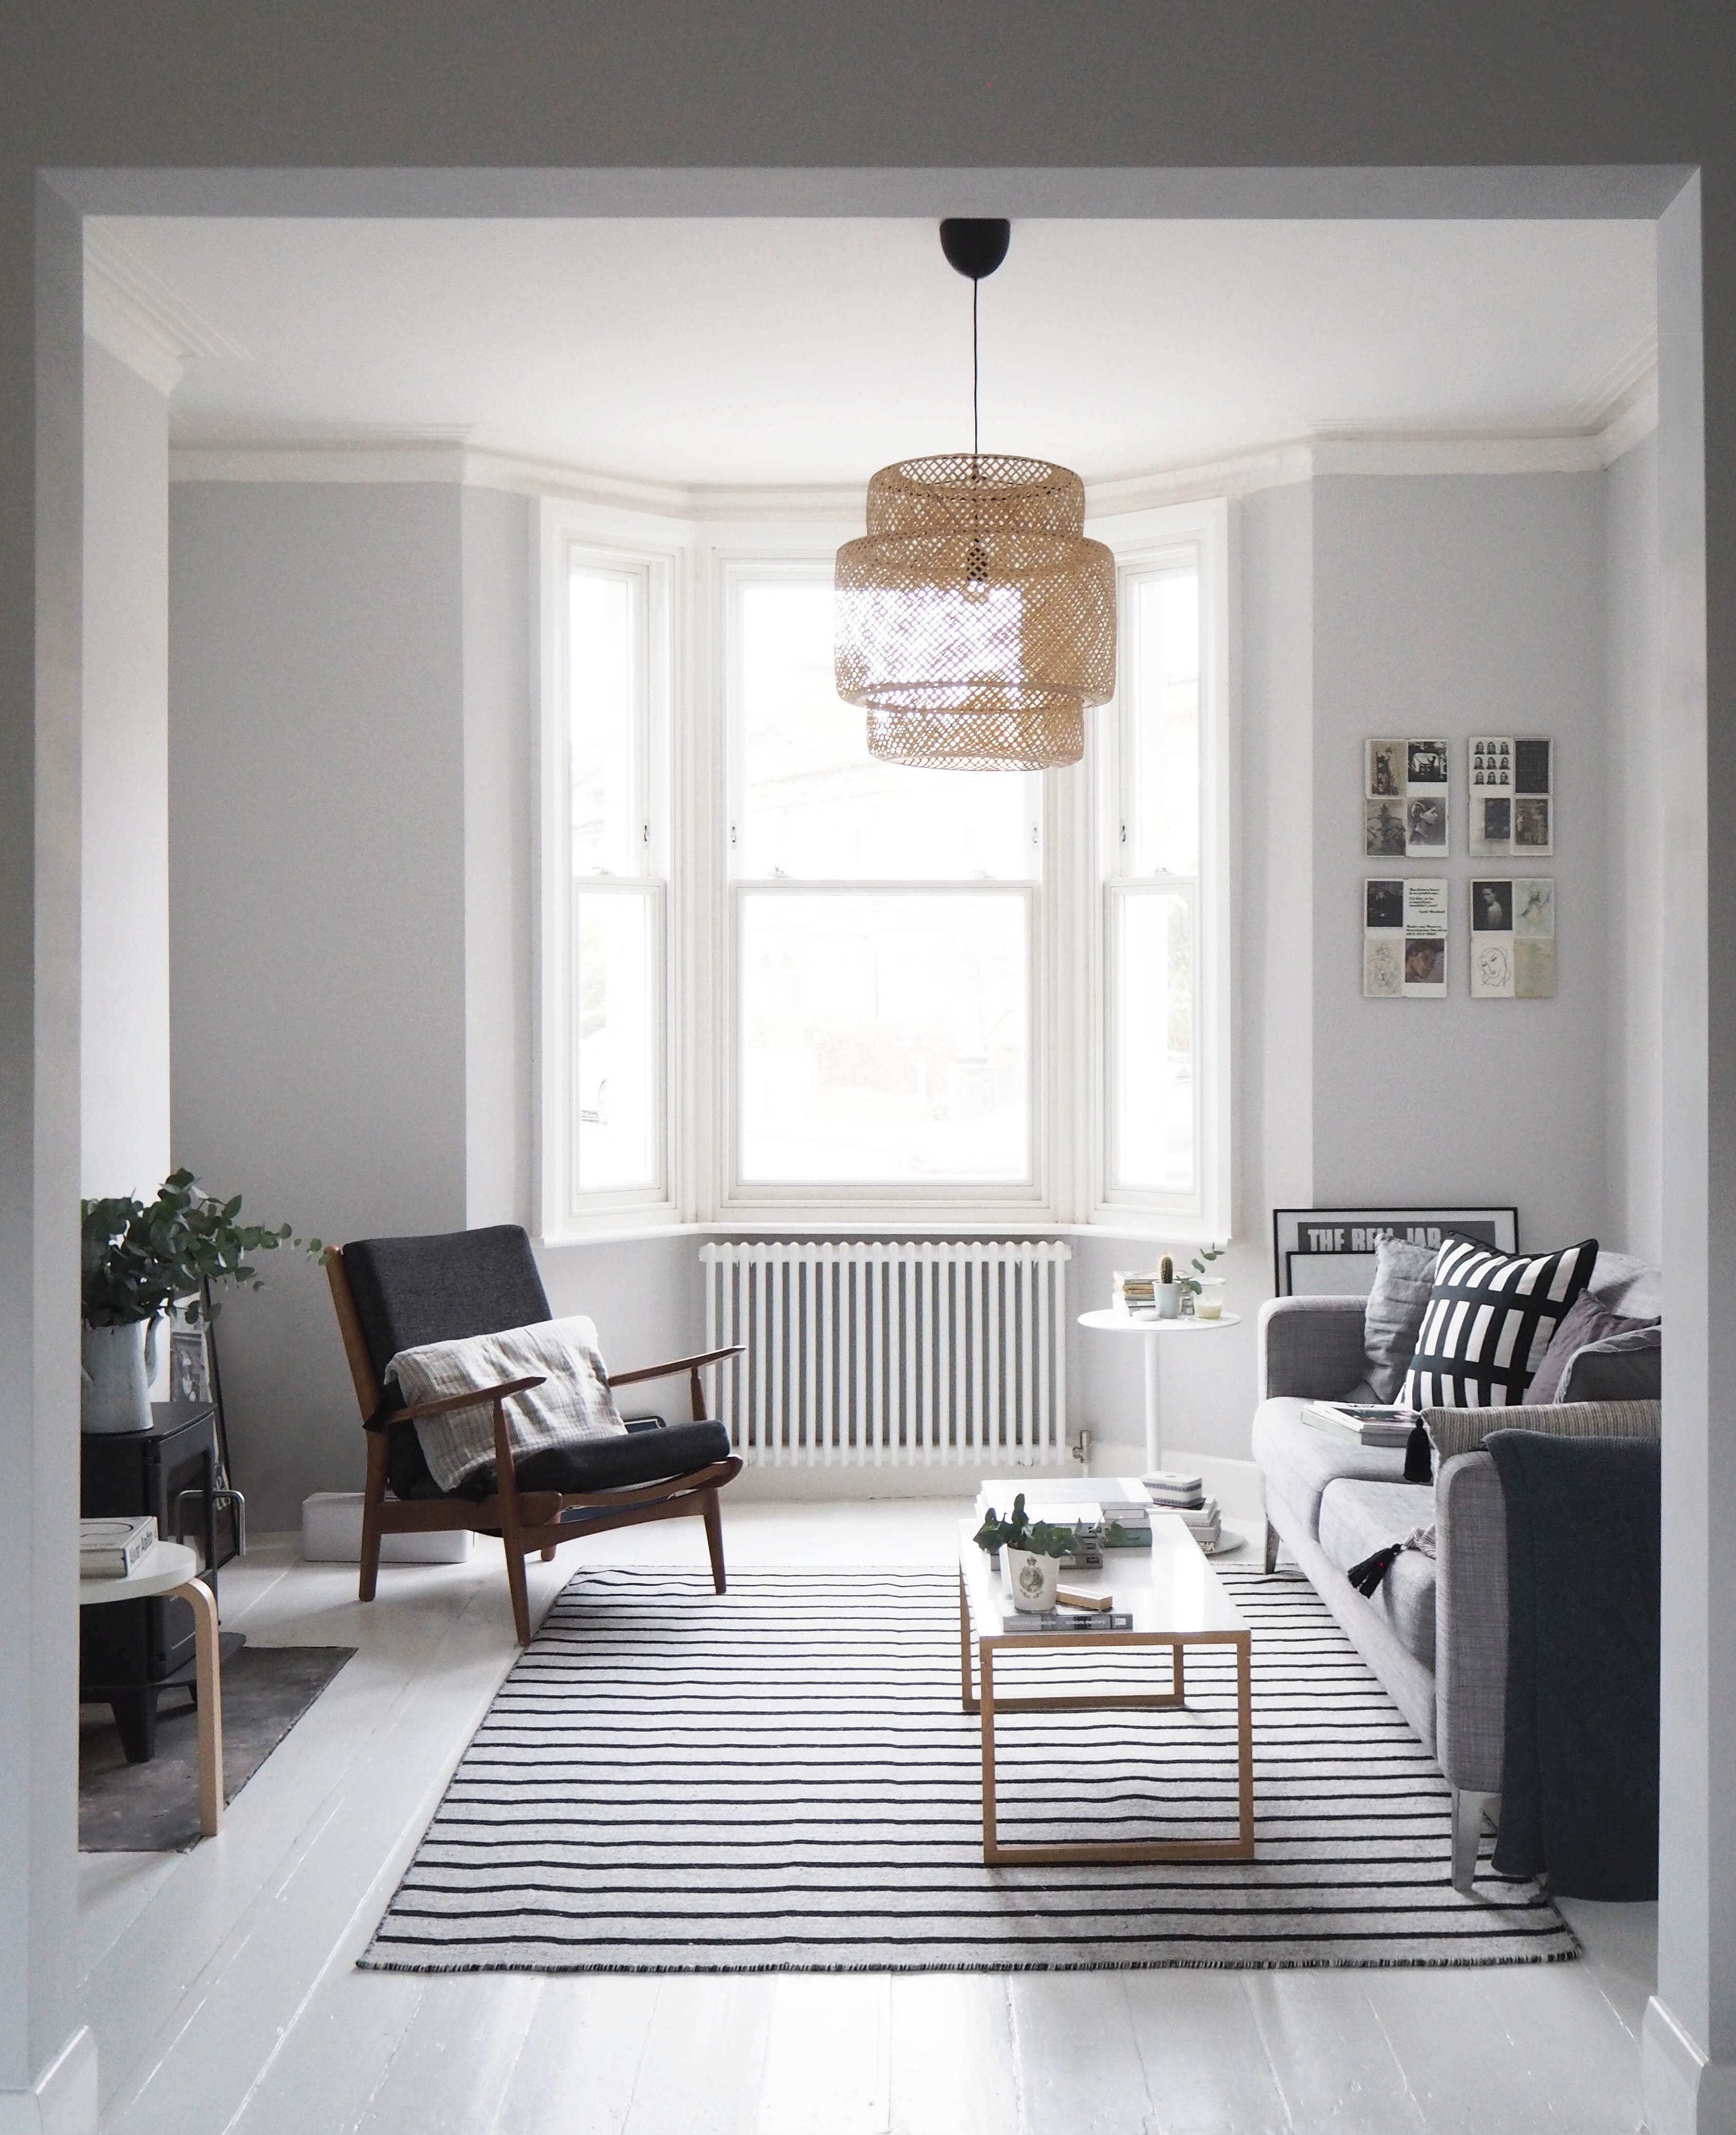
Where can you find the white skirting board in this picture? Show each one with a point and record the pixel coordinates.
(331, 1534)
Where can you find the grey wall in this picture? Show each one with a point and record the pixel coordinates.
(1636, 834)
(124, 1094)
(1457, 606)
(317, 779)
(375, 1007)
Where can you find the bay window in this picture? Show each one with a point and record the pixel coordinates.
(960, 997)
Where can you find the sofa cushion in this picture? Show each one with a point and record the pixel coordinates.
(1356, 1518)
(1586, 1321)
(1489, 1321)
(1298, 1461)
(1633, 1288)
(1393, 1316)
(1620, 1368)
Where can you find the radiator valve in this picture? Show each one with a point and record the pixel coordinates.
(1081, 1450)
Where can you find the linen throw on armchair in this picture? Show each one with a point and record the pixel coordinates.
(1490, 1320)
(573, 1404)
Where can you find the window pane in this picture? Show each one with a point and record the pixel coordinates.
(818, 805)
(1162, 798)
(614, 1136)
(1153, 1126)
(604, 684)
(884, 1037)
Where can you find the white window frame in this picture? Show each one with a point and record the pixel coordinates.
(1144, 542)
(569, 535)
(695, 769)
(864, 1201)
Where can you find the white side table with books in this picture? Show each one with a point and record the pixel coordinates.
(1114, 1321)
(168, 1568)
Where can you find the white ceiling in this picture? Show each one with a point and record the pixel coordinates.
(793, 352)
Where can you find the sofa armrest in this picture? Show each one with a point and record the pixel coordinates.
(1311, 1347)
(1470, 1622)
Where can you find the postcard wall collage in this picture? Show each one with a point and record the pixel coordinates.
(1406, 918)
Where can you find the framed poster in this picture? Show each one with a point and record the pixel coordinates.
(1330, 1252)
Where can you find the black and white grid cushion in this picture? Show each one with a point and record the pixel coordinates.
(1489, 1319)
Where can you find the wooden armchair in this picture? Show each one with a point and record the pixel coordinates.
(393, 1293)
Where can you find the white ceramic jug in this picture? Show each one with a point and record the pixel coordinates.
(119, 1365)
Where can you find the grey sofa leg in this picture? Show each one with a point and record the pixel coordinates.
(1470, 1809)
(1271, 1547)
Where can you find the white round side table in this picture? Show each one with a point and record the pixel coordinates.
(169, 1568)
(1112, 1320)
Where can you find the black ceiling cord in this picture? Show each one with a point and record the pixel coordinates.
(974, 246)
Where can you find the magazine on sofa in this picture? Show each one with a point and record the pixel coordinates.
(1367, 1423)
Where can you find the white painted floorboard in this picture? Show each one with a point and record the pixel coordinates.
(222, 1987)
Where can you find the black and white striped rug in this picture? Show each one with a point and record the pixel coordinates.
(782, 1778)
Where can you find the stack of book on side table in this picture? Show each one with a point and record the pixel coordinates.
(1364, 1423)
(111, 1549)
(1173, 1491)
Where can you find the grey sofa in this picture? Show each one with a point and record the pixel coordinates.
(1434, 1632)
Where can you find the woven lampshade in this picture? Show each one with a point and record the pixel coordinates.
(974, 620)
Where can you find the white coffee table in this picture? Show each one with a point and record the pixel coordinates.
(169, 1569)
(1114, 1320)
(1175, 1600)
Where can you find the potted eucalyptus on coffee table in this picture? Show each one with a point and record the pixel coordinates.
(1031, 1554)
(141, 1261)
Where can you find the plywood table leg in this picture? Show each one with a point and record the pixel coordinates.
(1245, 1737)
(208, 1672)
(965, 1699)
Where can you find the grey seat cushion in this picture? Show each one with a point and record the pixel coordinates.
(1358, 1519)
(1298, 1461)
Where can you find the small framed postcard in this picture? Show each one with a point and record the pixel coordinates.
(1513, 938)
(1330, 1252)
(1512, 782)
(1404, 799)
(1404, 937)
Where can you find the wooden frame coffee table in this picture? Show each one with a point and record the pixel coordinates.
(1176, 1601)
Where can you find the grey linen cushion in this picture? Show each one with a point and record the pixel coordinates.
(1393, 1316)
(1456, 1431)
(573, 1404)
(1585, 1321)
(1623, 1367)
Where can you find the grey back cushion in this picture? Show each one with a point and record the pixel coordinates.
(1393, 1317)
(1626, 1368)
(1633, 1288)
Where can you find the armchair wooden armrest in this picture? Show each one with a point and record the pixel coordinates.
(467, 1400)
(690, 1365)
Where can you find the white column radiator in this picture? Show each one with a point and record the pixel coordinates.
(914, 1355)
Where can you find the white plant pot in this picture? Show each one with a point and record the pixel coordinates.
(1031, 1579)
(119, 1363)
(1169, 1300)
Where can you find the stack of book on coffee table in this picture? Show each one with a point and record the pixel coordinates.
(1174, 1491)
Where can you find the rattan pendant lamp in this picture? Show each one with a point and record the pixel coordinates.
(974, 620)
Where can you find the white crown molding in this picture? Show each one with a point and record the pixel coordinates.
(138, 318)
(129, 337)
(442, 456)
